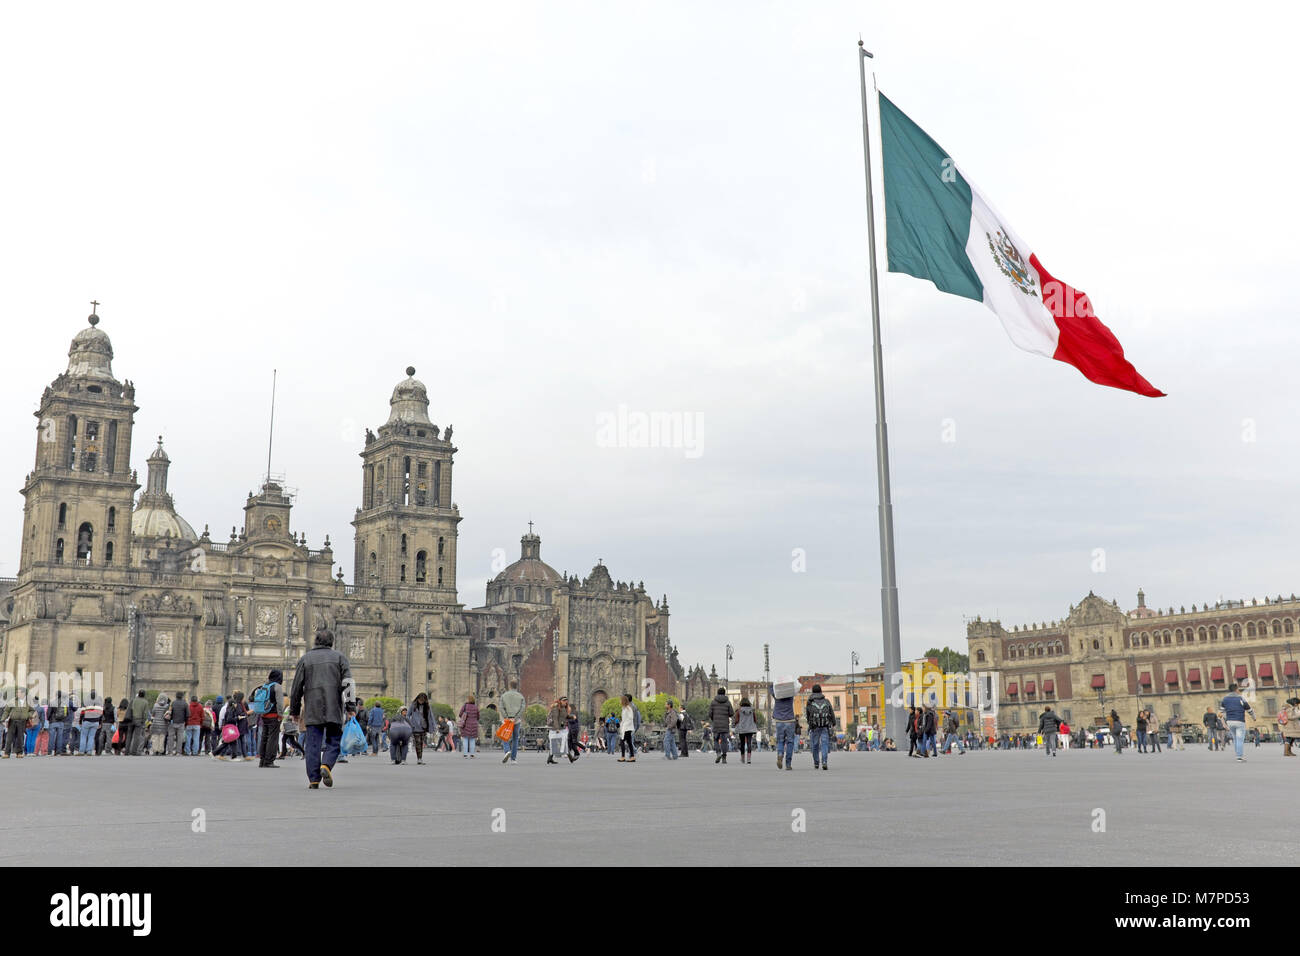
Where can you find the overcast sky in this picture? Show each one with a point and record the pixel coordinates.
(557, 210)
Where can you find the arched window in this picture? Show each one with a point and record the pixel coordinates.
(519, 594)
(440, 548)
(1236, 631)
(1038, 652)
(548, 591)
(1179, 634)
(374, 566)
(1277, 628)
(1166, 637)
(85, 542)
(1288, 626)
(63, 516)
(402, 578)
(979, 657)
(1214, 633)
(1250, 628)
(108, 553)
(58, 551)
(1145, 641)
(1262, 629)
(1096, 645)
(1201, 635)
(403, 545)
(421, 574)
(440, 577)
(112, 519)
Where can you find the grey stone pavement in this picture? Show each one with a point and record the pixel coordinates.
(983, 809)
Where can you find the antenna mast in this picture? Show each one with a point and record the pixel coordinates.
(271, 435)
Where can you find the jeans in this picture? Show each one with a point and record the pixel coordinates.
(372, 737)
(328, 737)
(469, 741)
(1238, 730)
(175, 738)
(192, 739)
(509, 747)
(1049, 742)
(1142, 741)
(721, 741)
(670, 745)
(57, 737)
(89, 731)
(820, 738)
(952, 740)
(397, 746)
(785, 741)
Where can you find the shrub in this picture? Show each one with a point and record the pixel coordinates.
(442, 710)
(536, 715)
(391, 705)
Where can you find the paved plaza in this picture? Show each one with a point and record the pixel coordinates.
(987, 808)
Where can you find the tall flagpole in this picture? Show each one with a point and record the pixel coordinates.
(888, 582)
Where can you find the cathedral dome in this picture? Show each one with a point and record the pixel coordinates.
(410, 401)
(157, 521)
(91, 354)
(530, 572)
(155, 515)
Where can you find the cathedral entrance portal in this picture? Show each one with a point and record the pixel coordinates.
(597, 702)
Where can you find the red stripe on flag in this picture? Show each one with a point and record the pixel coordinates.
(1084, 341)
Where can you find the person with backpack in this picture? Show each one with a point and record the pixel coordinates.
(671, 723)
(232, 741)
(611, 733)
(950, 736)
(821, 718)
(685, 725)
(421, 719)
(1049, 725)
(628, 723)
(268, 705)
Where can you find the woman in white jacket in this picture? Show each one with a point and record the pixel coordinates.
(627, 745)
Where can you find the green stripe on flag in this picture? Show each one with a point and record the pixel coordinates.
(927, 207)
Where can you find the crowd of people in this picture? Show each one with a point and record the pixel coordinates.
(309, 722)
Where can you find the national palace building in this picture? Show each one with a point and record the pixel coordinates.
(119, 584)
(1099, 658)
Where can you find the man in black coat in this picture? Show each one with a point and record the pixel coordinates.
(321, 679)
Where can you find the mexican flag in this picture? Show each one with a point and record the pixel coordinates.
(939, 228)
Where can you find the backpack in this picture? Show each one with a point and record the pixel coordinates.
(688, 722)
(261, 703)
(820, 714)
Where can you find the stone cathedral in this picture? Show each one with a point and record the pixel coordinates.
(117, 583)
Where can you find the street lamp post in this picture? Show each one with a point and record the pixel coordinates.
(726, 667)
(853, 701)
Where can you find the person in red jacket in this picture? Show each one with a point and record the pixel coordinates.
(193, 726)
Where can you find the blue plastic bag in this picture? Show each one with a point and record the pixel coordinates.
(354, 739)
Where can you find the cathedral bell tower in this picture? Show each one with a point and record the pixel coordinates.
(79, 496)
(406, 525)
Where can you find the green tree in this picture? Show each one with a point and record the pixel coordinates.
(699, 709)
(950, 661)
(536, 715)
(442, 710)
(391, 705)
(489, 717)
(759, 719)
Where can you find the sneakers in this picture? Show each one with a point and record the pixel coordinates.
(326, 776)
(313, 786)
(718, 759)
(817, 766)
(505, 759)
(825, 767)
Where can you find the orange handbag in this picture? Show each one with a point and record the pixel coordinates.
(506, 730)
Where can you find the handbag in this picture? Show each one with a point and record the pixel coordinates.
(506, 730)
(229, 733)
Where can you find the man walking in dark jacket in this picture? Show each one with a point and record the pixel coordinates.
(821, 718)
(1049, 725)
(320, 681)
(720, 714)
(180, 713)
